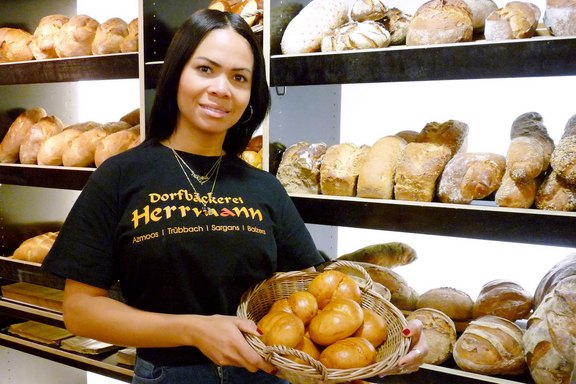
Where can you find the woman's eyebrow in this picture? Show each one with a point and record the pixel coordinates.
(219, 65)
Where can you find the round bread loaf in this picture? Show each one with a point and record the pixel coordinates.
(76, 36)
(15, 45)
(44, 38)
(505, 299)
(516, 20)
(356, 35)
(439, 331)
(560, 17)
(490, 345)
(402, 295)
(109, 35)
(561, 270)
(480, 10)
(130, 41)
(299, 169)
(455, 303)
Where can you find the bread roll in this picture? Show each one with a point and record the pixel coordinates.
(356, 35)
(363, 10)
(339, 319)
(396, 22)
(418, 171)
(439, 331)
(76, 36)
(374, 328)
(35, 248)
(130, 41)
(352, 352)
(299, 169)
(490, 345)
(560, 17)
(516, 20)
(281, 328)
(440, 22)
(453, 302)
(109, 35)
(116, 143)
(45, 127)
(563, 159)
(561, 270)
(15, 45)
(452, 133)
(44, 39)
(550, 338)
(17, 132)
(554, 194)
(471, 176)
(480, 10)
(376, 175)
(305, 31)
(52, 149)
(331, 285)
(513, 194)
(505, 299)
(339, 169)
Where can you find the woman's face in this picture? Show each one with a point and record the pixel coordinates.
(215, 84)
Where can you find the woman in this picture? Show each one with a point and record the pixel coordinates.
(184, 224)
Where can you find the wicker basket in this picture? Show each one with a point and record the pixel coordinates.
(257, 301)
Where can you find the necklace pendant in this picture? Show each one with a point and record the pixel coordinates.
(202, 179)
(206, 210)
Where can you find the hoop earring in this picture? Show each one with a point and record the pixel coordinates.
(249, 117)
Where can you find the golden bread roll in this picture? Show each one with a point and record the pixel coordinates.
(516, 20)
(440, 22)
(554, 194)
(505, 299)
(307, 346)
(451, 133)
(439, 331)
(550, 337)
(299, 169)
(352, 352)
(373, 328)
(491, 345)
(339, 169)
(76, 36)
(15, 45)
(418, 171)
(35, 248)
(560, 17)
(456, 304)
(304, 305)
(376, 175)
(281, 328)
(471, 176)
(116, 143)
(109, 35)
(339, 319)
(17, 132)
(44, 39)
(513, 194)
(45, 127)
(130, 42)
(52, 149)
(329, 285)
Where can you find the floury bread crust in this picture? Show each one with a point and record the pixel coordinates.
(340, 167)
(299, 170)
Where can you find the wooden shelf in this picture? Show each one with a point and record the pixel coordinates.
(537, 56)
(105, 67)
(44, 176)
(482, 220)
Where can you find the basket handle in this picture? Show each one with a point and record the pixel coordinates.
(354, 269)
(283, 351)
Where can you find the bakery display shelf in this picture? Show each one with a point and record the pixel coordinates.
(104, 365)
(481, 220)
(24, 271)
(58, 177)
(103, 67)
(537, 56)
(30, 312)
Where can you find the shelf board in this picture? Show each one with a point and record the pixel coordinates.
(482, 220)
(45, 176)
(537, 56)
(30, 312)
(103, 67)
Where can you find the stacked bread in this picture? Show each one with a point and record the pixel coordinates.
(60, 36)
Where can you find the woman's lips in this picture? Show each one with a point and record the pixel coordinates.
(215, 111)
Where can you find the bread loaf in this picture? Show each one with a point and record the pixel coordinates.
(451, 133)
(132, 117)
(440, 22)
(513, 194)
(52, 149)
(299, 169)
(490, 345)
(561, 270)
(45, 127)
(439, 331)
(305, 31)
(550, 337)
(516, 20)
(15, 45)
(376, 175)
(396, 22)
(340, 167)
(503, 298)
(108, 36)
(418, 171)
(116, 143)
(35, 248)
(402, 295)
(560, 17)
(130, 42)
(44, 39)
(76, 36)
(554, 194)
(455, 303)
(363, 10)
(17, 132)
(471, 176)
(480, 10)
(356, 35)
(563, 159)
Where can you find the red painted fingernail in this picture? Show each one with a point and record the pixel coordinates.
(259, 331)
(406, 332)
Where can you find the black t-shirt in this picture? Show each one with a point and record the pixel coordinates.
(138, 221)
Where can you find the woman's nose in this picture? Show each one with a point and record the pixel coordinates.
(220, 86)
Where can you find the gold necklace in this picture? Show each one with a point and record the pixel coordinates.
(205, 209)
(201, 179)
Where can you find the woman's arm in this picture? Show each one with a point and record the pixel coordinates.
(89, 312)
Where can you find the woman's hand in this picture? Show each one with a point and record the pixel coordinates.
(412, 361)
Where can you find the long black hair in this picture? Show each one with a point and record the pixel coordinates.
(164, 111)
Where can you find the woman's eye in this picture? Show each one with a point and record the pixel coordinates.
(204, 68)
(240, 78)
